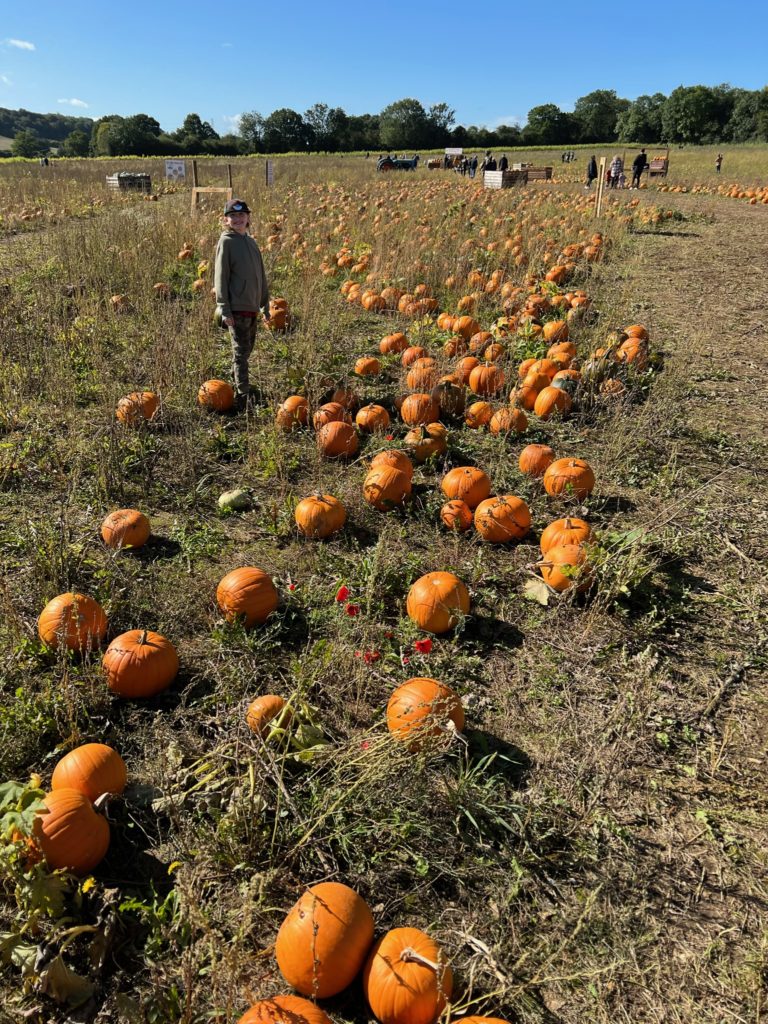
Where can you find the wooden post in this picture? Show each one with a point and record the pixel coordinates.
(600, 187)
(194, 174)
(229, 175)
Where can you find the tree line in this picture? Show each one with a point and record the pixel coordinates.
(690, 114)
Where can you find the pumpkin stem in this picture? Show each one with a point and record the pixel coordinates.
(410, 955)
(143, 637)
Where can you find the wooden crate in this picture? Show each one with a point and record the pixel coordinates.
(539, 173)
(128, 181)
(658, 168)
(504, 179)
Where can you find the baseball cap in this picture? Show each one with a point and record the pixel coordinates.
(235, 206)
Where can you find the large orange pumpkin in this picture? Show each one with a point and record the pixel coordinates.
(419, 710)
(508, 421)
(534, 459)
(92, 769)
(74, 621)
(217, 395)
(140, 663)
(486, 379)
(502, 519)
(247, 592)
(467, 483)
(569, 477)
(320, 516)
(404, 980)
(372, 418)
(419, 409)
(565, 531)
(293, 413)
(437, 602)
(566, 566)
(393, 457)
(263, 710)
(551, 400)
(285, 1010)
(324, 939)
(386, 487)
(71, 834)
(137, 407)
(125, 528)
(424, 442)
(331, 412)
(337, 440)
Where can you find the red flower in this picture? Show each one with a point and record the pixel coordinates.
(371, 656)
(405, 660)
(423, 646)
(365, 744)
(358, 654)
(390, 437)
(342, 593)
(388, 635)
(352, 609)
(291, 586)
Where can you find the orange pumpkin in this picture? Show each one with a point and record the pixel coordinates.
(217, 395)
(293, 413)
(419, 409)
(566, 566)
(71, 834)
(508, 421)
(386, 487)
(437, 602)
(247, 592)
(284, 1010)
(502, 519)
(411, 354)
(324, 939)
(319, 516)
(456, 515)
(367, 366)
(264, 710)
(92, 769)
(467, 483)
(125, 528)
(534, 459)
(565, 531)
(424, 442)
(140, 663)
(393, 457)
(137, 407)
(74, 621)
(331, 412)
(464, 368)
(372, 418)
(393, 342)
(405, 981)
(570, 477)
(551, 400)
(337, 440)
(486, 379)
(478, 415)
(420, 709)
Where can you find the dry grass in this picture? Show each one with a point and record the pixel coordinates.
(596, 850)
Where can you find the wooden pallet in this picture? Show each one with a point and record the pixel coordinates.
(504, 179)
(539, 173)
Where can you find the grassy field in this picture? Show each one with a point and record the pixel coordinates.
(593, 848)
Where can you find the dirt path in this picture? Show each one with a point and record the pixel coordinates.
(702, 289)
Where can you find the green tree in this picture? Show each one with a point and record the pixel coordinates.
(547, 125)
(641, 121)
(596, 115)
(195, 128)
(690, 114)
(285, 130)
(328, 125)
(26, 143)
(251, 130)
(76, 144)
(404, 125)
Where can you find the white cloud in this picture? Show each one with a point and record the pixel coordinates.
(19, 44)
(231, 119)
(6, 79)
(74, 103)
(226, 46)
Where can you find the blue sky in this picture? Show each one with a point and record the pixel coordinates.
(490, 61)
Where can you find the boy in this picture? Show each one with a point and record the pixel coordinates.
(241, 291)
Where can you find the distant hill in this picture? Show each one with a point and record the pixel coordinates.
(50, 128)
(5, 144)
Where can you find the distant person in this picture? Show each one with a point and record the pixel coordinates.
(591, 171)
(473, 165)
(616, 169)
(719, 162)
(503, 163)
(491, 163)
(241, 291)
(638, 166)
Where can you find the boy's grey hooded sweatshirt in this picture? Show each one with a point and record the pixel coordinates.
(240, 280)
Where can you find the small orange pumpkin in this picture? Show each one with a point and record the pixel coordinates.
(217, 395)
(319, 516)
(125, 528)
(502, 519)
(419, 710)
